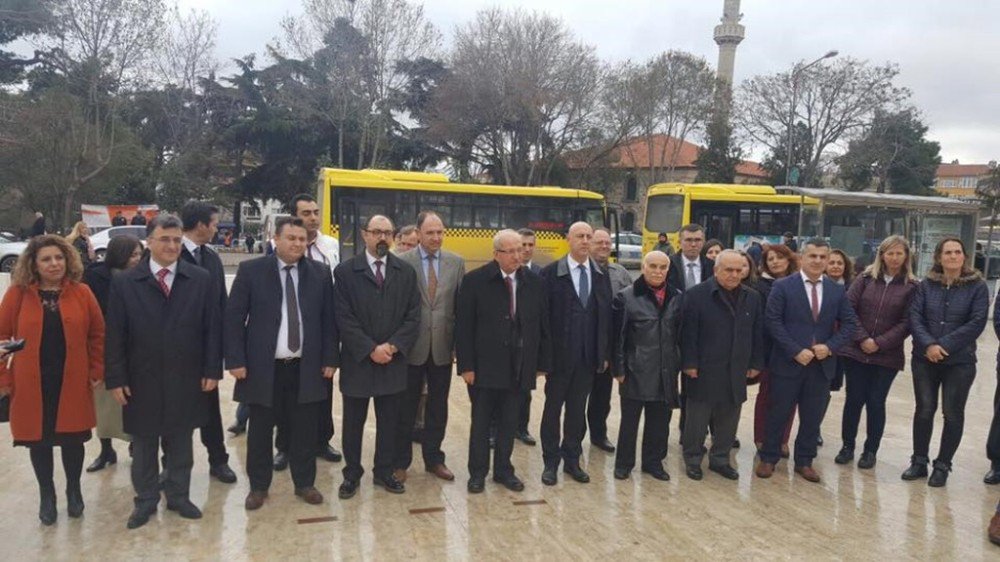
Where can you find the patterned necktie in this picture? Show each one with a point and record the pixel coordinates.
(379, 278)
(197, 255)
(432, 278)
(292, 306)
(584, 285)
(161, 279)
(691, 280)
(815, 300)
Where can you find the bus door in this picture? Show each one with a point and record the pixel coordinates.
(718, 220)
(350, 229)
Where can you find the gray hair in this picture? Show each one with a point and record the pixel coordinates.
(505, 233)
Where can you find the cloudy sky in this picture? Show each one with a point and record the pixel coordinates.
(942, 48)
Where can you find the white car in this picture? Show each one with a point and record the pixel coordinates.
(100, 240)
(9, 252)
(629, 249)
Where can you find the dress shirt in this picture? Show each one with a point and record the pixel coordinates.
(169, 279)
(513, 285)
(819, 290)
(371, 263)
(424, 261)
(687, 267)
(191, 247)
(574, 271)
(282, 351)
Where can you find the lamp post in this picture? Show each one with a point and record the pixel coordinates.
(796, 71)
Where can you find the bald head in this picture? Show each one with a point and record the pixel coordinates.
(654, 268)
(729, 265)
(579, 237)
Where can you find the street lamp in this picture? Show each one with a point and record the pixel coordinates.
(798, 69)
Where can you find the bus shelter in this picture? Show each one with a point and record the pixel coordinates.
(857, 222)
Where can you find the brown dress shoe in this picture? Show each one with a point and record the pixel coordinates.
(310, 495)
(765, 470)
(441, 471)
(994, 530)
(807, 472)
(400, 474)
(254, 500)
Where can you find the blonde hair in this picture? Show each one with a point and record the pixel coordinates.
(876, 269)
(75, 233)
(26, 272)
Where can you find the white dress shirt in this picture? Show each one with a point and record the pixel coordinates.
(282, 351)
(819, 290)
(371, 263)
(513, 286)
(424, 261)
(191, 246)
(691, 265)
(574, 271)
(172, 268)
(324, 249)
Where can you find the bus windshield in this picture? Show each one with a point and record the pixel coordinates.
(665, 213)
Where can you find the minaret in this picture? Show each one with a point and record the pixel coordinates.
(728, 36)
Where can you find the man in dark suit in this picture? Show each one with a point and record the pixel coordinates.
(200, 222)
(282, 368)
(722, 347)
(807, 316)
(579, 295)
(502, 345)
(138, 219)
(378, 314)
(161, 354)
(524, 405)
(439, 273)
(119, 219)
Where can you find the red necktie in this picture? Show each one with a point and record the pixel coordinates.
(379, 278)
(161, 279)
(815, 300)
(510, 294)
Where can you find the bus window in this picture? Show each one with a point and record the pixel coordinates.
(664, 213)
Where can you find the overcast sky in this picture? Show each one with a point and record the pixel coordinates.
(942, 47)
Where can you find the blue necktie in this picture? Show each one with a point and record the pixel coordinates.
(584, 285)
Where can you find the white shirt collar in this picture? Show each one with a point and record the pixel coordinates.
(805, 278)
(191, 246)
(696, 261)
(372, 259)
(573, 264)
(282, 265)
(155, 267)
(424, 253)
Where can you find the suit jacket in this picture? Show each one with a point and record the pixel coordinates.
(212, 263)
(534, 268)
(436, 337)
(788, 319)
(253, 319)
(676, 276)
(561, 297)
(97, 276)
(368, 316)
(161, 348)
(504, 352)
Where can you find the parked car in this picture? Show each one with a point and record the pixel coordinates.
(10, 250)
(629, 248)
(101, 239)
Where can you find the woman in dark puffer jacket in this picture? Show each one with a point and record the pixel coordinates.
(881, 298)
(947, 315)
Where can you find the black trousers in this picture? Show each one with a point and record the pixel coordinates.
(523, 410)
(993, 440)
(569, 389)
(810, 389)
(952, 382)
(352, 433)
(599, 406)
(301, 424)
(178, 459)
(438, 379)
(324, 424)
(723, 418)
(489, 404)
(867, 388)
(212, 436)
(655, 431)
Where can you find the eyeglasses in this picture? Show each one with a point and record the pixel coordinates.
(507, 252)
(380, 233)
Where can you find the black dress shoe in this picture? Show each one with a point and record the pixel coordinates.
(867, 460)
(140, 516)
(940, 475)
(328, 453)
(577, 473)
(74, 501)
(525, 437)
(658, 473)
(694, 472)
(47, 506)
(390, 484)
(347, 489)
(604, 445)
(280, 461)
(512, 483)
(916, 471)
(622, 473)
(102, 461)
(736, 443)
(185, 509)
(992, 477)
(845, 455)
(549, 476)
(222, 473)
(476, 485)
(237, 429)
(726, 471)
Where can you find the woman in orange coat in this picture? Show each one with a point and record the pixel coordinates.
(50, 381)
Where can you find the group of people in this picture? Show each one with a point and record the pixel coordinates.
(135, 345)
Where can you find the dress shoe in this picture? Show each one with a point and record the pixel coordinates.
(993, 532)
(390, 484)
(577, 473)
(736, 443)
(280, 461)
(476, 485)
(621, 473)
(694, 472)
(185, 509)
(526, 438)
(765, 469)
(845, 455)
(442, 472)
(74, 501)
(103, 460)
(785, 453)
(867, 460)
(237, 429)
(939, 477)
(329, 454)
(807, 472)
(347, 489)
(916, 471)
(726, 471)
(254, 500)
(140, 516)
(222, 473)
(992, 477)
(512, 483)
(400, 474)
(47, 506)
(658, 473)
(549, 476)
(310, 495)
(604, 445)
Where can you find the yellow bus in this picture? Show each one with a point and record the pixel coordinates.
(472, 213)
(733, 214)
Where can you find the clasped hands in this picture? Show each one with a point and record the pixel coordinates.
(818, 351)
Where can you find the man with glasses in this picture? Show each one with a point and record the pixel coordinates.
(377, 300)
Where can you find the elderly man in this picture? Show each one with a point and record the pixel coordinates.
(579, 294)
(646, 357)
(722, 347)
(406, 239)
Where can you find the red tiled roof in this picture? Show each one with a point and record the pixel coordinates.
(659, 150)
(962, 170)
